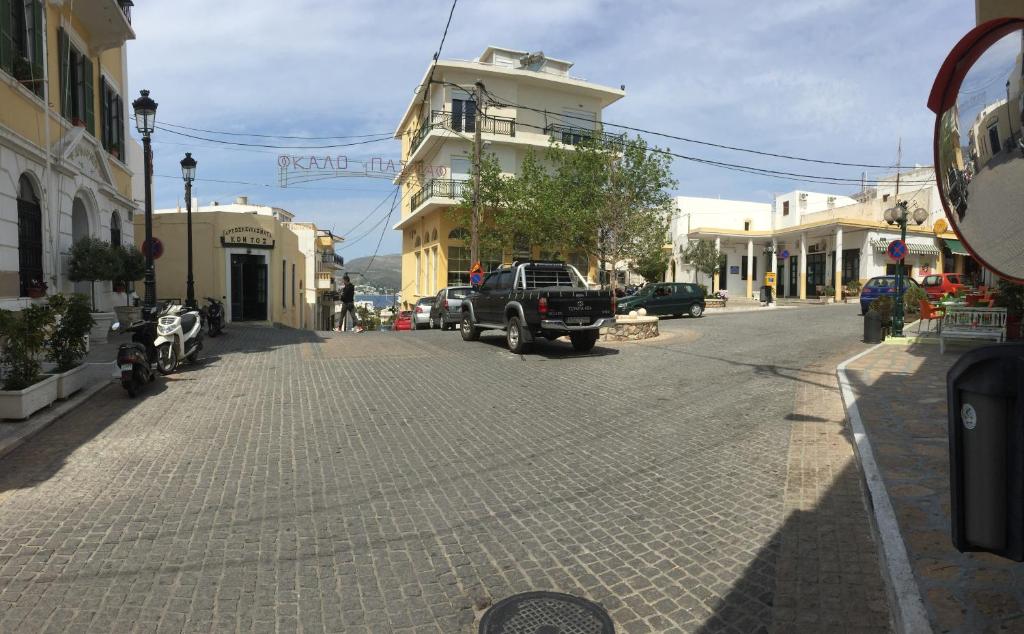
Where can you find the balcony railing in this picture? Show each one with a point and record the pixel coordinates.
(126, 8)
(571, 135)
(439, 188)
(465, 122)
(324, 281)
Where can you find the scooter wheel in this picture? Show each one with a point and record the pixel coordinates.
(166, 359)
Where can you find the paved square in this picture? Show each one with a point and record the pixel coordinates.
(402, 482)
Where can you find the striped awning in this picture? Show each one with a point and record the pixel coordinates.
(955, 247)
(916, 248)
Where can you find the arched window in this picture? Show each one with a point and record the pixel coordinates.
(115, 229)
(416, 242)
(433, 235)
(458, 234)
(30, 237)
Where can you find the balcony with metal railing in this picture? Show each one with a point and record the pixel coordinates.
(461, 123)
(324, 281)
(108, 22)
(572, 135)
(444, 188)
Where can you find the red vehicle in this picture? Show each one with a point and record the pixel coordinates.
(403, 321)
(942, 283)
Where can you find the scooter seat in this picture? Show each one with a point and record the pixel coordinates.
(188, 322)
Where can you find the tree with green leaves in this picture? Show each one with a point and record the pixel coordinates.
(129, 266)
(91, 260)
(703, 255)
(652, 265)
(606, 200)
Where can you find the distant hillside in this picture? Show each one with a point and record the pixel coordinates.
(385, 272)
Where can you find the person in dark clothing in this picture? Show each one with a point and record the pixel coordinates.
(348, 306)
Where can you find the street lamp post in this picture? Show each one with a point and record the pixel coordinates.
(188, 173)
(899, 215)
(145, 122)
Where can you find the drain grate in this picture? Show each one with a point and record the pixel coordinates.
(546, 613)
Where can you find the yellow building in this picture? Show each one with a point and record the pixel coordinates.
(322, 266)
(437, 131)
(64, 146)
(243, 254)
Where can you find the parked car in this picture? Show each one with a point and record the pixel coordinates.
(421, 312)
(882, 285)
(447, 309)
(529, 300)
(665, 299)
(403, 321)
(942, 283)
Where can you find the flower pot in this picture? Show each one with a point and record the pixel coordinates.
(35, 293)
(101, 328)
(71, 381)
(118, 288)
(20, 404)
(128, 314)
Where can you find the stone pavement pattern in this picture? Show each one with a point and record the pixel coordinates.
(901, 395)
(401, 482)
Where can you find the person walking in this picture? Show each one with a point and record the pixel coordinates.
(348, 306)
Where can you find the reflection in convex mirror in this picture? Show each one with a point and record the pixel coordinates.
(980, 151)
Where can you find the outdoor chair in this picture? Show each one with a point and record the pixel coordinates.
(972, 300)
(929, 312)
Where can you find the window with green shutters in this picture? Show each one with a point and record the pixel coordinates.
(111, 120)
(21, 42)
(77, 83)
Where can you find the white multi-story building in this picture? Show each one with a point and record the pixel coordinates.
(539, 101)
(816, 240)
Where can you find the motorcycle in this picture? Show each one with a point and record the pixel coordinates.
(214, 316)
(135, 360)
(179, 336)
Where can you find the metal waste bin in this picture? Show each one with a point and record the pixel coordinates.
(984, 391)
(766, 294)
(872, 327)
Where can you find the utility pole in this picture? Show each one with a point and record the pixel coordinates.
(474, 234)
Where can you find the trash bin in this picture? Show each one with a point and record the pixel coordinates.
(872, 327)
(984, 391)
(766, 294)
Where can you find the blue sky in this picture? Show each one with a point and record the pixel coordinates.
(839, 80)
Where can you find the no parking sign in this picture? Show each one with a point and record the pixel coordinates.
(476, 274)
(897, 249)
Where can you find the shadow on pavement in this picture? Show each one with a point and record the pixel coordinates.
(557, 349)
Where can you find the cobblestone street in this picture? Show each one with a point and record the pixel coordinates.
(402, 482)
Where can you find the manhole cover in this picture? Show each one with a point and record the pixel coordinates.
(546, 613)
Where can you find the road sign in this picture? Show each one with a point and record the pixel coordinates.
(476, 274)
(785, 254)
(897, 249)
(158, 248)
(769, 279)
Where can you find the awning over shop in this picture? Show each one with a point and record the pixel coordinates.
(916, 248)
(955, 247)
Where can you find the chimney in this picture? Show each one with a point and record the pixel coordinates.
(242, 200)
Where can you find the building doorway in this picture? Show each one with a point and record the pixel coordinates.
(80, 230)
(248, 287)
(794, 272)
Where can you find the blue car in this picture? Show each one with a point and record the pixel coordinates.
(879, 286)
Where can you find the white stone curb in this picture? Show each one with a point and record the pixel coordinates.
(47, 417)
(910, 614)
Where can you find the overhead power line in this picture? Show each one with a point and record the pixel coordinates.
(381, 238)
(275, 136)
(278, 147)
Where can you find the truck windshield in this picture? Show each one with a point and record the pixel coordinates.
(540, 276)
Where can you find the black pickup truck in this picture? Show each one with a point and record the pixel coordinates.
(537, 299)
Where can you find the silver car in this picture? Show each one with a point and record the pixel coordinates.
(447, 310)
(421, 312)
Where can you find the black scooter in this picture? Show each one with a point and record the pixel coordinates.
(137, 359)
(214, 316)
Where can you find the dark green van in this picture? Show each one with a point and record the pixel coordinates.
(665, 298)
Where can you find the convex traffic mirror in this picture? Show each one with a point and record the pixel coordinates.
(978, 98)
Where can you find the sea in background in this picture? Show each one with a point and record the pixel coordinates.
(379, 301)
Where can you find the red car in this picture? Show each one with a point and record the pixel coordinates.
(942, 283)
(403, 321)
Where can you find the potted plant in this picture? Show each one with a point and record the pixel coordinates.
(92, 260)
(852, 289)
(25, 389)
(829, 295)
(1011, 297)
(129, 266)
(36, 288)
(66, 343)
(883, 307)
(912, 300)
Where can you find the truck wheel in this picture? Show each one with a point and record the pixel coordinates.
(583, 341)
(515, 337)
(469, 332)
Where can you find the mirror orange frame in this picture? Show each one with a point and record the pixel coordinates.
(944, 94)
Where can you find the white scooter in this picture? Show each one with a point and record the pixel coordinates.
(179, 336)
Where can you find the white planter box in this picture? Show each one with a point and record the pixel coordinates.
(128, 314)
(71, 381)
(99, 331)
(20, 404)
